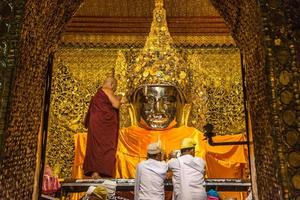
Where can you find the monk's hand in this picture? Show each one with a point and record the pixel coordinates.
(124, 100)
(119, 97)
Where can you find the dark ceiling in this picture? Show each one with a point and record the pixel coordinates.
(133, 17)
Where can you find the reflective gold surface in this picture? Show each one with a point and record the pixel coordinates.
(158, 106)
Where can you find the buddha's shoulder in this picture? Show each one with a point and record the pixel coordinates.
(188, 128)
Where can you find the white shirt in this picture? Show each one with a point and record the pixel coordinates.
(188, 178)
(149, 180)
(249, 197)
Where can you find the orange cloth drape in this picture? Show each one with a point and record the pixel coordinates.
(221, 161)
(80, 147)
(226, 161)
(77, 169)
(133, 142)
(132, 148)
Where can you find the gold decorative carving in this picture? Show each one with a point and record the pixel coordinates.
(286, 97)
(159, 62)
(217, 91)
(121, 75)
(284, 77)
(76, 77)
(294, 159)
(292, 137)
(129, 40)
(289, 117)
(143, 8)
(283, 55)
(296, 181)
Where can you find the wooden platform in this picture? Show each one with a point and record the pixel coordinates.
(81, 185)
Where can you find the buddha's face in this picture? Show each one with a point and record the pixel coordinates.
(157, 106)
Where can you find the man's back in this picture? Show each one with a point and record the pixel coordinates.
(188, 178)
(149, 181)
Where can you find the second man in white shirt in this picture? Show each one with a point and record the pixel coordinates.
(150, 175)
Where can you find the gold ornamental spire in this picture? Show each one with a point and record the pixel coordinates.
(159, 3)
(159, 62)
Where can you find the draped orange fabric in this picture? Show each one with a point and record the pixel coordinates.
(133, 143)
(80, 147)
(77, 169)
(226, 161)
(222, 161)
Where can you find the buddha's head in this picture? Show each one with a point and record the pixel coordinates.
(158, 106)
(158, 76)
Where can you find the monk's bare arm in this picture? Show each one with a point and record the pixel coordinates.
(115, 100)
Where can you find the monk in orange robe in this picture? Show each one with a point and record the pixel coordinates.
(102, 122)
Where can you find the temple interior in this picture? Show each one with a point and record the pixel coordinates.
(234, 65)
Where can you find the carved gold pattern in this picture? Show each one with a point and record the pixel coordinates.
(40, 31)
(296, 181)
(217, 91)
(159, 62)
(121, 74)
(137, 40)
(77, 75)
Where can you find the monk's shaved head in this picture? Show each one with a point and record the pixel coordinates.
(110, 82)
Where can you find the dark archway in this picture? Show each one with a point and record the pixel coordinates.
(266, 34)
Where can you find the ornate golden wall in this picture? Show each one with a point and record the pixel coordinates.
(217, 91)
(76, 76)
(216, 94)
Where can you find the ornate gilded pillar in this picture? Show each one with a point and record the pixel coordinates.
(267, 34)
(282, 48)
(10, 21)
(38, 33)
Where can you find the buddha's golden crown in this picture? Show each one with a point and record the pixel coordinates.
(158, 62)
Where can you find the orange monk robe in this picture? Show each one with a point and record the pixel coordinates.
(222, 161)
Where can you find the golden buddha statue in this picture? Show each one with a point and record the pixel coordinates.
(158, 107)
(158, 115)
(159, 110)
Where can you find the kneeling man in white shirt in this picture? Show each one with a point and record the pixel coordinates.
(150, 175)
